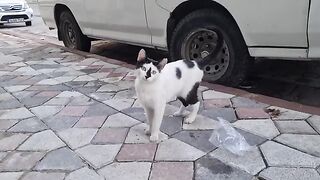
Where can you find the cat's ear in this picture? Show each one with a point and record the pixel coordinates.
(162, 63)
(141, 55)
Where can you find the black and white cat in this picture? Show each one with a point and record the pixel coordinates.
(158, 82)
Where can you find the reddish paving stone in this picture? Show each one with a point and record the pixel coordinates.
(172, 171)
(216, 103)
(73, 111)
(91, 122)
(251, 113)
(110, 136)
(137, 152)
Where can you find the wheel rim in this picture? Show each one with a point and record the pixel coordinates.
(199, 44)
(70, 35)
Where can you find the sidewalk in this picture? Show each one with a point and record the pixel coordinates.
(70, 116)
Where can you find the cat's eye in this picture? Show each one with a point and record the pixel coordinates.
(154, 72)
(143, 68)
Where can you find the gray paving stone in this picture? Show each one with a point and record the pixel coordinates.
(42, 141)
(110, 136)
(280, 173)
(287, 114)
(69, 94)
(34, 101)
(137, 113)
(202, 123)
(250, 162)
(20, 113)
(198, 139)
(77, 137)
(209, 168)
(16, 88)
(137, 135)
(280, 155)
(247, 103)
(315, 122)
(263, 127)
(211, 94)
(84, 174)
(20, 161)
(58, 101)
(306, 143)
(125, 171)
(10, 141)
(99, 155)
(46, 111)
(59, 122)
(81, 101)
(99, 109)
(3, 155)
(29, 125)
(226, 113)
(60, 159)
(110, 88)
(252, 139)
(119, 104)
(6, 124)
(175, 150)
(171, 125)
(120, 120)
(10, 175)
(100, 96)
(172, 171)
(10, 104)
(48, 82)
(125, 94)
(43, 176)
(297, 127)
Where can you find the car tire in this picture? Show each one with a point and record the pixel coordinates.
(71, 34)
(233, 59)
(29, 23)
(1, 24)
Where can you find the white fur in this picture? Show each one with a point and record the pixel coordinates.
(154, 92)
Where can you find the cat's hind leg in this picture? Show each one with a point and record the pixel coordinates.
(193, 114)
(180, 112)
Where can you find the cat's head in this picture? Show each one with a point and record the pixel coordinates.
(147, 68)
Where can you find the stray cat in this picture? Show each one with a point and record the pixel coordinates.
(158, 82)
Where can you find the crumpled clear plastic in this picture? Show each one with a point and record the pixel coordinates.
(228, 138)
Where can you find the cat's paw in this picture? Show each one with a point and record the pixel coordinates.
(179, 114)
(147, 132)
(154, 138)
(189, 120)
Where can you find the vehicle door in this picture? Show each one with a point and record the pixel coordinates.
(122, 20)
(314, 30)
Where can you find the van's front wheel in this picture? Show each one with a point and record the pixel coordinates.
(195, 37)
(71, 34)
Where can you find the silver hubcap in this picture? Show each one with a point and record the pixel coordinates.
(199, 44)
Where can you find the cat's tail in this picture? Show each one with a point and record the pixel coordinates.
(212, 57)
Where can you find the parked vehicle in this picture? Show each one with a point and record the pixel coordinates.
(15, 11)
(286, 29)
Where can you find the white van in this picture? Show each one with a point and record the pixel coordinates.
(285, 29)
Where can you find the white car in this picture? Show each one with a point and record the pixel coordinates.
(285, 29)
(15, 11)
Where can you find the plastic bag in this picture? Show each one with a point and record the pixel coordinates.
(228, 138)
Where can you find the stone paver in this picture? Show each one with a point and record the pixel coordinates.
(175, 150)
(125, 171)
(91, 122)
(3, 155)
(202, 123)
(280, 155)
(226, 113)
(84, 174)
(217, 103)
(306, 143)
(39, 142)
(172, 171)
(10, 175)
(250, 162)
(296, 127)
(120, 120)
(252, 113)
(208, 168)
(247, 103)
(278, 173)
(119, 104)
(20, 113)
(29, 125)
(10, 141)
(60, 159)
(110, 136)
(73, 111)
(43, 176)
(137, 152)
(286, 114)
(315, 122)
(18, 161)
(99, 155)
(264, 128)
(77, 137)
(211, 94)
(45, 111)
(137, 135)
(6, 124)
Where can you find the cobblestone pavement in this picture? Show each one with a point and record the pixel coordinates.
(69, 116)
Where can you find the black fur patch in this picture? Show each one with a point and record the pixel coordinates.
(192, 96)
(148, 73)
(190, 64)
(147, 61)
(178, 73)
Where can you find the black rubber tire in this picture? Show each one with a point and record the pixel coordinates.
(82, 42)
(29, 23)
(1, 24)
(209, 18)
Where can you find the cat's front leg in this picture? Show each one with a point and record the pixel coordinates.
(156, 121)
(192, 116)
(150, 116)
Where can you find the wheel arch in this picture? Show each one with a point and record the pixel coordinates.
(188, 6)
